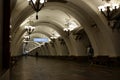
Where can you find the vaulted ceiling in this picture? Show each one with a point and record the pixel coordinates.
(52, 17)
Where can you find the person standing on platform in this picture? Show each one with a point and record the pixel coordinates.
(36, 54)
(90, 52)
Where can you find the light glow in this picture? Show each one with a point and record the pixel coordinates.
(29, 27)
(101, 8)
(115, 6)
(65, 29)
(109, 5)
(34, 1)
(42, 1)
(70, 25)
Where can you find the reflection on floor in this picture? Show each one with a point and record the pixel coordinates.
(31, 68)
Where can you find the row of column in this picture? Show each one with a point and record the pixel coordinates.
(56, 47)
(74, 45)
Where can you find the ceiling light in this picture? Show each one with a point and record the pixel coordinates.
(37, 5)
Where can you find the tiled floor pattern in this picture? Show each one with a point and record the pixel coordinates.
(31, 68)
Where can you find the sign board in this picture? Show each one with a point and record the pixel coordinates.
(40, 39)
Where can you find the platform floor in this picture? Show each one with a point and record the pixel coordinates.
(31, 68)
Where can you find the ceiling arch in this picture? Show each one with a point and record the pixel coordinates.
(60, 6)
(65, 10)
(84, 11)
(70, 10)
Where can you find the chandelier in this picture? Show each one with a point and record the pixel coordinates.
(53, 37)
(109, 8)
(70, 26)
(37, 5)
(29, 29)
(67, 30)
(27, 38)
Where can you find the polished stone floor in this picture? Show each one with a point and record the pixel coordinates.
(31, 68)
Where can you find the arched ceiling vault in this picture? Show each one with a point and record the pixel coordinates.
(58, 8)
(52, 6)
(85, 12)
(68, 10)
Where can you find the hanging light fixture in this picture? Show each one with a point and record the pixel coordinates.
(67, 30)
(70, 25)
(37, 5)
(29, 29)
(53, 37)
(108, 9)
(27, 38)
